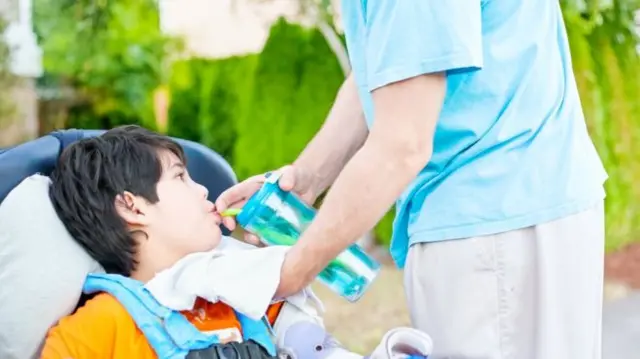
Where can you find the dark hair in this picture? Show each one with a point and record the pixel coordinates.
(90, 174)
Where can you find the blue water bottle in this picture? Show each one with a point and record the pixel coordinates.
(279, 217)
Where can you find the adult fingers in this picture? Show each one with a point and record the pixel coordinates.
(238, 193)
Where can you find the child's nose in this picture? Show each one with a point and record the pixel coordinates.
(204, 192)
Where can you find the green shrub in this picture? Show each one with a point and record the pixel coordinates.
(208, 98)
(112, 53)
(606, 65)
(184, 87)
(319, 82)
(7, 78)
(296, 79)
(384, 228)
(85, 116)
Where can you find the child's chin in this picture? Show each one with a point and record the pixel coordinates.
(207, 244)
(214, 241)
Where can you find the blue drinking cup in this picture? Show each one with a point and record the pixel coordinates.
(279, 217)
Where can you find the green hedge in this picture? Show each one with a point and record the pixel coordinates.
(607, 65)
(295, 82)
(111, 52)
(7, 79)
(258, 111)
(207, 99)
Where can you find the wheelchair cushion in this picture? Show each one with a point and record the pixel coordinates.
(42, 269)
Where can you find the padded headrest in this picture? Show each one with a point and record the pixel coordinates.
(40, 156)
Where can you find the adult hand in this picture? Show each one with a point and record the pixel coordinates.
(291, 179)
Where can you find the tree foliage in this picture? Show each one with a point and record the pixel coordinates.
(209, 97)
(7, 78)
(112, 53)
(604, 46)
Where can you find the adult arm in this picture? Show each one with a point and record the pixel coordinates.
(342, 134)
(411, 46)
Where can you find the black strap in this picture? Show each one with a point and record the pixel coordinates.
(246, 350)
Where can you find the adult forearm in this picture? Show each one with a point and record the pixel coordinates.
(339, 138)
(365, 190)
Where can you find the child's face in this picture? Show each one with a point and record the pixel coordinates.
(183, 221)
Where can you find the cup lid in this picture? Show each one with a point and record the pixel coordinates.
(255, 202)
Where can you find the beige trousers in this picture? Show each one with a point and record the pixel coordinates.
(533, 293)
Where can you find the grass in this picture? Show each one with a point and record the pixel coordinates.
(360, 326)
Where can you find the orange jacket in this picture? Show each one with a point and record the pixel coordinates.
(102, 328)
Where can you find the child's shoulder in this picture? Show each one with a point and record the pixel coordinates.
(103, 308)
(103, 303)
(93, 330)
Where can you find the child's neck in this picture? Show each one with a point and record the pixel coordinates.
(153, 259)
(147, 269)
(142, 275)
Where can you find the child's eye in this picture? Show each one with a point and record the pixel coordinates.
(181, 175)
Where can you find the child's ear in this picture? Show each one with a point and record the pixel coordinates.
(132, 209)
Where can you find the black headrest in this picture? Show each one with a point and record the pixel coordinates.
(40, 156)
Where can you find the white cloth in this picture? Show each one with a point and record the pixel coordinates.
(240, 275)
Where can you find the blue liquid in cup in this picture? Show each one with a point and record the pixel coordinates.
(279, 217)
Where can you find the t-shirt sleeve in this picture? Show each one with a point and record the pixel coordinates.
(89, 333)
(409, 38)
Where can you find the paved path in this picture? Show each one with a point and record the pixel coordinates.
(621, 328)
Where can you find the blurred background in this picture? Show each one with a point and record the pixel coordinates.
(254, 80)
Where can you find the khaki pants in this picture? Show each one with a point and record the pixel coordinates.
(533, 293)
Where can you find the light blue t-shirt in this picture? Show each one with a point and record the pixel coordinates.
(511, 147)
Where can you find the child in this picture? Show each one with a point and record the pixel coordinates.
(128, 200)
